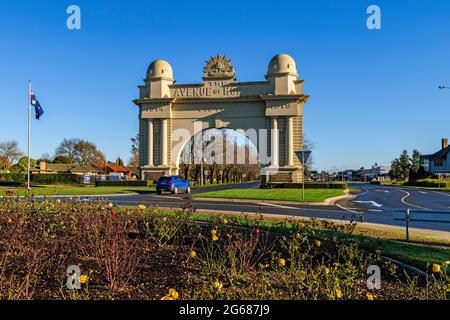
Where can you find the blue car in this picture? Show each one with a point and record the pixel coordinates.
(174, 184)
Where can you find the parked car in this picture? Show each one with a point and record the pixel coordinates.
(174, 184)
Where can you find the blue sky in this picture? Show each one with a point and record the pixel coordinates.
(373, 93)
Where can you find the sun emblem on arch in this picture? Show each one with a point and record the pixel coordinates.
(218, 67)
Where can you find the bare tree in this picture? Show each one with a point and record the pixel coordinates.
(134, 160)
(79, 151)
(10, 151)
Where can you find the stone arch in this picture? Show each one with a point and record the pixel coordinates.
(168, 111)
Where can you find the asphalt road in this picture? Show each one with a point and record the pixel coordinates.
(374, 204)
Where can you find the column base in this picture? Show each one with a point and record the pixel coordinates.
(154, 173)
(284, 174)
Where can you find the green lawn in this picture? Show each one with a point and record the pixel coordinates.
(63, 190)
(311, 195)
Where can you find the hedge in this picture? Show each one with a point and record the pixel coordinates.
(309, 185)
(429, 183)
(125, 183)
(12, 177)
(63, 178)
(377, 182)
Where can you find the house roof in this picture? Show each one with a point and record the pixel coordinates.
(84, 168)
(438, 155)
(110, 167)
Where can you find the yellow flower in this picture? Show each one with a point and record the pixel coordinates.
(446, 263)
(173, 294)
(167, 298)
(213, 232)
(301, 275)
(193, 254)
(326, 270)
(369, 296)
(281, 262)
(436, 268)
(84, 278)
(58, 201)
(215, 238)
(218, 285)
(110, 205)
(141, 207)
(318, 243)
(165, 219)
(10, 220)
(301, 225)
(338, 293)
(225, 221)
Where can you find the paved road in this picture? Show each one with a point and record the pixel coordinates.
(374, 204)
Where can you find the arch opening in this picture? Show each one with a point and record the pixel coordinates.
(219, 155)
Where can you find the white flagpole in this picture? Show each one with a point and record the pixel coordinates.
(29, 130)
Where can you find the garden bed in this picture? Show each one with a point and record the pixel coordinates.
(147, 253)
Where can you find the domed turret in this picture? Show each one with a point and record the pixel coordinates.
(282, 64)
(159, 69)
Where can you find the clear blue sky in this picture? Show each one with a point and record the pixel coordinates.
(373, 93)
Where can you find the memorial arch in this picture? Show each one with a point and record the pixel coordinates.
(270, 112)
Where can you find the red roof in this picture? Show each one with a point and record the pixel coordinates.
(109, 167)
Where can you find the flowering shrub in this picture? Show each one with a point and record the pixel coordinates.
(149, 253)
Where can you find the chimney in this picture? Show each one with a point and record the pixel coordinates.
(444, 143)
(42, 166)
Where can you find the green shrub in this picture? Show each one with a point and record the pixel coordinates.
(63, 178)
(125, 183)
(12, 177)
(376, 182)
(429, 183)
(310, 185)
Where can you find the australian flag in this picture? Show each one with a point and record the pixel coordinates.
(35, 103)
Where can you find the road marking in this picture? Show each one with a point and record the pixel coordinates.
(276, 205)
(385, 191)
(423, 192)
(347, 209)
(375, 204)
(409, 204)
(168, 197)
(442, 193)
(375, 210)
(365, 191)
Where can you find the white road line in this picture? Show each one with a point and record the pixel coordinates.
(365, 191)
(276, 206)
(409, 204)
(347, 209)
(442, 193)
(375, 210)
(169, 197)
(423, 192)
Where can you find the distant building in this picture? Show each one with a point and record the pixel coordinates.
(437, 164)
(64, 168)
(94, 169)
(377, 172)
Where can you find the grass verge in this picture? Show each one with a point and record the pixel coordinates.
(295, 195)
(63, 190)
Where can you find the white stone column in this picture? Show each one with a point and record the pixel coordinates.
(150, 142)
(274, 142)
(290, 141)
(164, 142)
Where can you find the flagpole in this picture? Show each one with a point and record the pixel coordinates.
(29, 131)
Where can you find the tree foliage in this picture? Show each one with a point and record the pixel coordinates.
(79, 151)
(9, 150)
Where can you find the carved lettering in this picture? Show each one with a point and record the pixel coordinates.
(210, 91)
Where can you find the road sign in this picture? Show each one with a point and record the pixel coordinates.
(305, 157)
